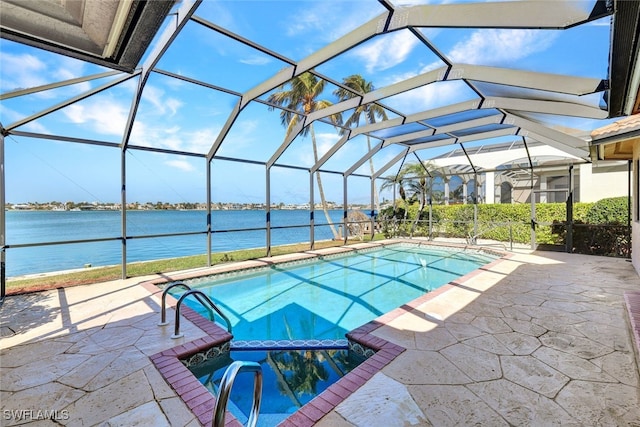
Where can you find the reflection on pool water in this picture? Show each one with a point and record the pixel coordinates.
(291, 378)
(327, 297)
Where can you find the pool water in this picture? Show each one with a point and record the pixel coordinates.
(291, 378)
(328, 297)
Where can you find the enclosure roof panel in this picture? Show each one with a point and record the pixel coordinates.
(423, 76)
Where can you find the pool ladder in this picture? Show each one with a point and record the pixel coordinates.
(202, 299)
(232, 371)
(225, 390)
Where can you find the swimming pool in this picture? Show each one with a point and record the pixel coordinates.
(330, 296)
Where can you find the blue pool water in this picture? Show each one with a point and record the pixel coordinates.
(326, 298)
(291, 378)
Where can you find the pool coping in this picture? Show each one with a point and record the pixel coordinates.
(201, 402)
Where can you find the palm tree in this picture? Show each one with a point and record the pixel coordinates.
(391, 181)
(372, 111)
(415, 181)
(300, 95)
(399, 181)
(421, 184)
(301, 371)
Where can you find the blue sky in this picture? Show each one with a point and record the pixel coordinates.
(180, 116)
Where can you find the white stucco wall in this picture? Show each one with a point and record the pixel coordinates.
(606, 179)
(635, 225)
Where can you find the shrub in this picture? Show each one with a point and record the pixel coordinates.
(601, 239)
(608, 211)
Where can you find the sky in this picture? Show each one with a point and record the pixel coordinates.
(177, 115)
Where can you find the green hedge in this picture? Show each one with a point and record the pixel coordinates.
(608, 211)
(497, 221)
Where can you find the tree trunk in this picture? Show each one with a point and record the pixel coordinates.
(320, 188)
(376, 202)
(423, 202)
(415, 221)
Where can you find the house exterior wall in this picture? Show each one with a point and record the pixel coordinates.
(590, 183)
(607, 179)
(635, 202)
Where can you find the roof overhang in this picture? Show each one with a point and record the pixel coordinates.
(616, 141)
(111, 33)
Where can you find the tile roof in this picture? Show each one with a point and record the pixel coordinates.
(627, 124)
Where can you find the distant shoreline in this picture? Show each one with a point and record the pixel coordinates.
(173, 210)
(196, 207)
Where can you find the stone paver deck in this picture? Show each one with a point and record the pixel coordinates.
(535, 340)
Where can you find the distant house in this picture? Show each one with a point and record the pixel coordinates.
(505, 175)
(22, 207)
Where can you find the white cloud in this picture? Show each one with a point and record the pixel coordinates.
(181, 164)
(386, 51)
(21, 71)
(432, 66)
(173, 138)
(28, 71)
(157, 137)
(324, 142)
(68, 68)
(36, 127)
(173, 105)
(174, 84)
(202, 139)
(241, 139)
(153, 95)
(497, 47)
(102, 113)
(256, 60)
(303, 22)
(8, 116)
(311, 20)
(161, 104)
(430, 96)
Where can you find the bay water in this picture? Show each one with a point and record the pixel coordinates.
(29, 227)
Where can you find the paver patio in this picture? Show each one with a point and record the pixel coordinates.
(539, 338)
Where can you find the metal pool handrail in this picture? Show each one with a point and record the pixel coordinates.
(204, 300)
(163, 309)
(225, 389)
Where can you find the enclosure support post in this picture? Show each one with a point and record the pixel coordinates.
(345, 206)
(208, 175)
(268, 208)
(475, 207)
(569, 243)
(394, 197)
(311, 214)
(533, 214)
(373, 207)
(123, 209)
(395, 220)
(3, 225)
